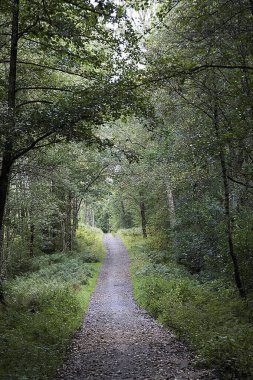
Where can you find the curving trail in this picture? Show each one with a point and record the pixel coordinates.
(120, 341)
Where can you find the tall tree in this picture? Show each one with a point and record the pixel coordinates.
(61, 79)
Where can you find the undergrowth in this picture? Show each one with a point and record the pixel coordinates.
(45, 306)
(209, 316)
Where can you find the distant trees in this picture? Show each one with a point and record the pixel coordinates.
(198, 73)
(183, 171)
(47, 190)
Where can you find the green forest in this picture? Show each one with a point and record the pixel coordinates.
(133, 118)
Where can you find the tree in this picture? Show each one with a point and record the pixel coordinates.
(209, 96)
(48, 190)
(60, 78)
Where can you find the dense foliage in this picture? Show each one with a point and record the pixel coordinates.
(62, 67)
(193, 182)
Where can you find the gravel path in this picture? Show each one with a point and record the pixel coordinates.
(120, 341)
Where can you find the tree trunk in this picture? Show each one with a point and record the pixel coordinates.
(89, 216)
(76, 208)
(229, 232)
(8, 145)
(32, 237)
(143, 219)
(63, 228)
(227, 209)
(13, 61)
(251, 6)
(123, 214)
(93, 218)
(68, 225)
(4, 186)
(171, 204)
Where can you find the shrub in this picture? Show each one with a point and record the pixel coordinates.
(45, 306)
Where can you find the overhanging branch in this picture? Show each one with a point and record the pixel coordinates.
(53, 68)
(241, 183)
(44, 88)
(33, 101)
(22, 152)
(175, 72)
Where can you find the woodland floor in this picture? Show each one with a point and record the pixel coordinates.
(120, 341)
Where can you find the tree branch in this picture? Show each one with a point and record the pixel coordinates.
(33, 101)
(50, 68)
(217, 66)
(241, 183)
(56, 141)
(177, 73)
(87, 8)
(52, 48)
(20, 34)
(44, 88)
(95, 178)
(22, 152)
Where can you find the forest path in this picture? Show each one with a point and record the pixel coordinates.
(120, 341)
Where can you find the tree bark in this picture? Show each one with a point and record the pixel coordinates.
(229, 231)
(227, 210)
(76, 208)
(143, 219)
(171, 204)
(68, 225)
(63, 228)
(251, 6)
(32, 237)
(4, 187)
(89, 216)
(7, 159)
(13, 60)
(2, 201)
(124, 214)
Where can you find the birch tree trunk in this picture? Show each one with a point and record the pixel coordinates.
(171, 204)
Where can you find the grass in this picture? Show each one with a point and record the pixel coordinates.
(209, 316)
(45, 307)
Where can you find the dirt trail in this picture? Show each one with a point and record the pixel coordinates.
(120, 341)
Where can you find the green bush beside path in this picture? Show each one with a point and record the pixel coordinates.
(46, 306)
(209, 315)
